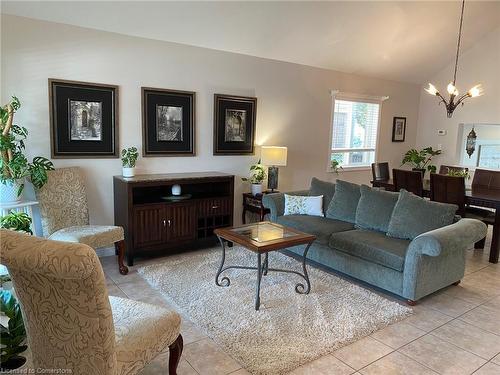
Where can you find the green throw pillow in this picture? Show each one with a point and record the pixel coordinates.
(344, 202)
(324, 188)
(375, 208)
(413, 215)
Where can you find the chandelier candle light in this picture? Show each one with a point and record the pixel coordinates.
(451, 104)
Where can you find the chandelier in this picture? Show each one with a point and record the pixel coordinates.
(451, 104)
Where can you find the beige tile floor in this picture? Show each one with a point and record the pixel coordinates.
(454, 331)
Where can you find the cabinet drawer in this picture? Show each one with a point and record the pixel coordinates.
(215, 206)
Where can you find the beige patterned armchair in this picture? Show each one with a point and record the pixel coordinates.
(65, 215)
(71, 322)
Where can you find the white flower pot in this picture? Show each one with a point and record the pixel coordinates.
(128, 172)
(256, 189)
(8, 191)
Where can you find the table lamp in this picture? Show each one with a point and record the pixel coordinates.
(273, 157)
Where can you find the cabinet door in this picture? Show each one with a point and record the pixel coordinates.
(149, 225)
(181, 221)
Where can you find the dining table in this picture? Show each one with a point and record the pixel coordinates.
(475, 196)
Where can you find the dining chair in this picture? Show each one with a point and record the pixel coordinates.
(448, 189)
(445, 169)
(71, 322)
(483, 179)
(65, 216)
(408, 180)
(486, 179)
(380, 171)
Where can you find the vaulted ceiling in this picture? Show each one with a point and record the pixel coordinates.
(403, 41)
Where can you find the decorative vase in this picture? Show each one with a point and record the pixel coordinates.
(176, 190)
(128, 172)
(256, 189)
(8, 191)
(13, 363)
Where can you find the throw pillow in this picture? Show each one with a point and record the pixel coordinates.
(375, 208)
(344, 202)
(324, 188)
(413, 215)
(301, 205)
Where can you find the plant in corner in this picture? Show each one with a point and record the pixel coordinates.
(420, 159)
(14, 334)
(129, 158)
(14, 166)
(257, 176)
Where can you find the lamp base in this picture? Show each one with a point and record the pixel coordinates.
(272, 178)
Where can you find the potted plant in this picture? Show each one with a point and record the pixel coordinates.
(336, 167)
(18, 221)
(420, 159)
(458, 173)
(14, 334)
(14, 166)
(257, 175)
(129, 158)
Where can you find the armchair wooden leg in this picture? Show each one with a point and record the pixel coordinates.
(175, 355)
(120, 250)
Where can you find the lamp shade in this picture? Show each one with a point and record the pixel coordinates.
(273, 155)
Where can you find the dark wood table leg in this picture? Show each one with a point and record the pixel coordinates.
(120, 250)
(495, 241)
(175, 355)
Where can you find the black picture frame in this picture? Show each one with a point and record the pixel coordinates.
(398, 129)
(234, 124)
(168, 122)
(83, 119)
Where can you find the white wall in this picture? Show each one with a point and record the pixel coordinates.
(293, 108)
(480, 64)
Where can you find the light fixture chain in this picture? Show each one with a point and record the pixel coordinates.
(458, 44)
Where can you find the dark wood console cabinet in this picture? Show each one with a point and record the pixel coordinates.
(153, 224)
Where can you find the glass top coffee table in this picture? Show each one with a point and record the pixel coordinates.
(262, 238)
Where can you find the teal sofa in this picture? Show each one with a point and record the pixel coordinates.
(410, 269)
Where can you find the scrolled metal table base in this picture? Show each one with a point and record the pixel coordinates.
(262, 270)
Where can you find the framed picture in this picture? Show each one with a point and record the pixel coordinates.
(83, 119)
(234, 124)
(398, 129)
(168, 120)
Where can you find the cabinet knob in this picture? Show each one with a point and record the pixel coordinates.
(215, 207)
(169, 222)
(164, 223)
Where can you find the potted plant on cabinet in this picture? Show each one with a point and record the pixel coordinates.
(258, 175)
(336, 167)
(129, 158)
(18, 221)
(14, 166)
(420, 159)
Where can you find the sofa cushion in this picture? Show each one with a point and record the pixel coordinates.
(372, 246)
(375, 208)
(321, 227)
(324, 188)
(413, 215)
(299, 205)
(345, 201)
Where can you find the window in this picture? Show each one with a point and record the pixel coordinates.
(354, 130)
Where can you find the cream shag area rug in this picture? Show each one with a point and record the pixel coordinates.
(290, 329)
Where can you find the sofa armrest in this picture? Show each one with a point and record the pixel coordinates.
(445, 240)
(436, 259)
(276, 202)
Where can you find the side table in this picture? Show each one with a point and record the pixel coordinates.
(253, 203)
